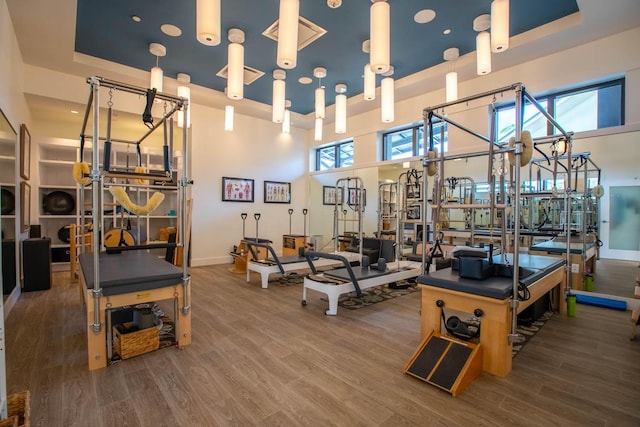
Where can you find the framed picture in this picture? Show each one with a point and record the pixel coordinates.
(25, 151)
(237, 189)
(355, 198)
(329, 195)
(413, 191)
(414, 212)
(277, 192)
(25, 205)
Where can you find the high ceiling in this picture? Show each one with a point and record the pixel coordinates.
(106, 30)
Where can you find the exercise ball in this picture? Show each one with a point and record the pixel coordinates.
(59, 203)
(64, 234)
(8, 202)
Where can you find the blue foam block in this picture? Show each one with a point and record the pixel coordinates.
(601, 302)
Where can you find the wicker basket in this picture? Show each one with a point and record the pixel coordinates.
(10, 422)
(18, 406)
(127, 345)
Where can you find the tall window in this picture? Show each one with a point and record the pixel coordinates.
(334, 156)
(586, 108)
(409, 142)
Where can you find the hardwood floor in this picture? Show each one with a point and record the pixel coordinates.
(259, 358)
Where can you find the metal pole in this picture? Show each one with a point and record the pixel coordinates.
(95, 180)
(186, 279)
(514, 337)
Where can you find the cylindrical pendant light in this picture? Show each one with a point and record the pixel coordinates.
(483, 52)
(451, 79)
(287, 54)
(286, 123)
(208, 22)
(235, 67)
(499, 25)
(319, 73)
(278, 104)
(369, 83)
(317, 134)
(157, 50)
(380, 36)
(387, 97)
(228, 118)
(185, 92)
(341, 109)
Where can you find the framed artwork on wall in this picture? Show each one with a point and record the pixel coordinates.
(329, 195)
(355, 198)
(277, 192)
(414, 212)
(25, 205)
(25, 152)
(237, 189)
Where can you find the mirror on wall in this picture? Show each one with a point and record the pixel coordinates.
(8, 203)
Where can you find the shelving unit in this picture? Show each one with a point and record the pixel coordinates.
(7, 182)
(55, 163)
(388, 210)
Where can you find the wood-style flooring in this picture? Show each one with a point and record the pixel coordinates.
(259, 358)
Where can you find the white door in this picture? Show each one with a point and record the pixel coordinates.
(620, 221)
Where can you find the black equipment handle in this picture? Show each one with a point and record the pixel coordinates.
(309, 255)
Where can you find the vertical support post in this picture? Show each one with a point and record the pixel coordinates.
(95, 186)
(516, 213)
(184, 182)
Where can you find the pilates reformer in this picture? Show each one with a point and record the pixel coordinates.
(274, 264)
(132, 275)
(350, 279)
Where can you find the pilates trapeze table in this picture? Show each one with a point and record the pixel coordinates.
(493, 296)
(583, 257)
(349, 279)
(274, 264)
(130, 278)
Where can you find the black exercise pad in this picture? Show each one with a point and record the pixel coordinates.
(428, 357)
(554, 247)
(289, 259)
(132, 271)
(497, 287)
(358, 272)
(451, 365)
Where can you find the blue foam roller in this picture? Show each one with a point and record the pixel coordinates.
(602, 302)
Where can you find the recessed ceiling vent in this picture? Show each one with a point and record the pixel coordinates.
(308, 32)
(250, 74)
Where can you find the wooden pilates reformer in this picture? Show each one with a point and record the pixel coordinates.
(274, 264)
(131, 276)
(349, 279)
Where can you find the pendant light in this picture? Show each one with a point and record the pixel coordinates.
(319, 73)
(287, 55)
(451, 79)
(185, 92)
(499, 25)
(278, 104)
(228, 118)
(156, 72)
(286, 123)
(235, 67)
(380, 36)
(334, 3)
(208, 22)
(387, 101)
(483, 44)
(369, 76)
(341, 109)
(317, 135)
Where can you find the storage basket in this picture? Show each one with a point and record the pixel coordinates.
(18, 406)
(127, 345)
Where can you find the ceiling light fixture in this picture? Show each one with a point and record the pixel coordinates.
(341, 108)
(287, 55)
(156, 72)
(208, 22)
(235, 61)
(334, 3)
(185, 92)
(286, 123)
(380, 36)
(387, 97)
(228, 118)
(319, 73)
(483, 44)
(278, 104)
(451, 79)
(369, 76)
(317, 135)
(499, 25)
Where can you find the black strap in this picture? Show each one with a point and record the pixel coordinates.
(147, 118)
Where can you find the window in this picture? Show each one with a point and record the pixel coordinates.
(409, 142)
(335, 156)
(586, 108)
